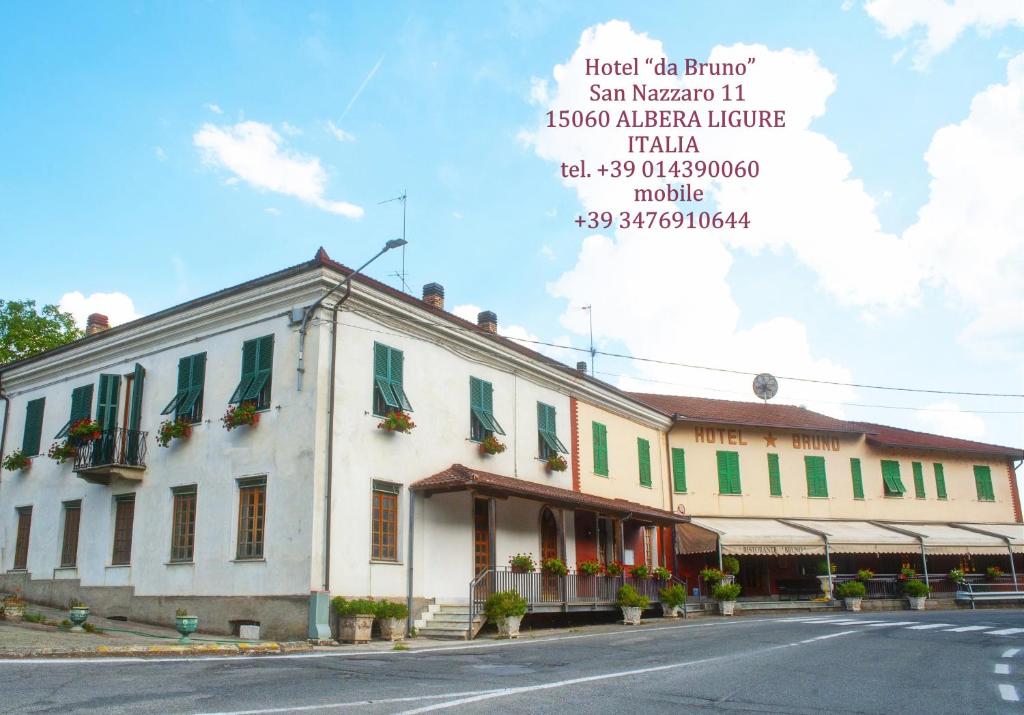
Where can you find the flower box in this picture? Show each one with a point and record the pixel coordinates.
(491, 446)
(239, 415)
(556, 463)
(397, 421)
(16, 461)
(170, 430)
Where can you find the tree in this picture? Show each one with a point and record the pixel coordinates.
(24, 331)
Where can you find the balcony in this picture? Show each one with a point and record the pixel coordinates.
(116, 453)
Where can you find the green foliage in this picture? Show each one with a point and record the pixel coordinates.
(181, 613)
(399, 645)
(865, 575)
(712, 577)
(629, 597)
(730, 565)
(993, 572)
(504, 604)
(823, 567)
(661, 573)
(554, 566)
(173, 429)
(391, 609)
(956, 575)
(614, 568)
(356, 607)
(916, 589)
(36, 618)
(851, 589)
(673, 596)
(590, 568)
(24, 331)
(726, 591)
(522, 562)
(16, 460)
(640, 571)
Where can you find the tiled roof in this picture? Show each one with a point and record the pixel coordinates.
(458, 478)
(883, 436)
(733, 412)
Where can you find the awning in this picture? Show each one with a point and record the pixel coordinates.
(1013, 532)
(746, 537)
(948, 539)
(461, 478)
(861, 537)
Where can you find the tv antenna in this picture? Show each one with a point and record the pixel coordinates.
(593, 352)
(401, 275)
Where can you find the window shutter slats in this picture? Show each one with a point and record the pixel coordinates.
(599, 434)
(817, 484)
(728, 472)
(33, 427)
(249, 350)
(774, 476)
(891, 477)
(918, 480)
(679, 470)
(643, 448)
(380, 361)
(857, 477)
(106, 403)
(983, 483)
(940, 481)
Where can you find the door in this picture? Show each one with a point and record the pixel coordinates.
(135, 449)
(481, 536)
(549, 550)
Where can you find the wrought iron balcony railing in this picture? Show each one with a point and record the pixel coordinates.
(117, 452)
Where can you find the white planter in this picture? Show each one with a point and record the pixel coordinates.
(672, 611)
(631, 615)
(726, 608)
(823, 580)
(392, 629)
(508, 627)
(729, 578)
(917, 602)
(852, 603)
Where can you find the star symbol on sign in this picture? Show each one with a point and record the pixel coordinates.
(769, 440)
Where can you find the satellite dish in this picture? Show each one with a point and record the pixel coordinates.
(765, 386)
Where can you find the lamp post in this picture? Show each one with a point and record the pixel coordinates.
(308, 311)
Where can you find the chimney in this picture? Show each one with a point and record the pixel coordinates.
(96, 323)
(581, 367)
(433, 295)
(488, 321)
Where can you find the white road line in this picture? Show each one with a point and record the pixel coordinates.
(964, 629)
(854, 622)
(891, 623)
(821, 638)
(1001, 669)
(1009, 653)
(1006, 632)
(926, 626)
(1008, 692)
(351, 704)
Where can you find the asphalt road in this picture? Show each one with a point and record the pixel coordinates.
(903, 662)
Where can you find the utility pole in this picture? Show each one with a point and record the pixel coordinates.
(401, 276)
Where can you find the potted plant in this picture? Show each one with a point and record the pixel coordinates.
(239, 415)
(660, 573)
(61, 452)
(852, 593)
(673, 600)
(907, 572)
(392, 617)
(506, 609)
(916, 593)
(865, 575)
(590, 568)
(554, 567)
(491, 445)
(14, 606)
(169, 430)
(397, 421)
(355, 619)
(78, 613)
(613, 568)
(632, 604)
(993, 572)
(185, 625)
(640, 571)
(957, 576)
(521, 563)
(16, 461)
(725, 594)
(711, 576)
(85, 430)
(730, 567)
(556, 463)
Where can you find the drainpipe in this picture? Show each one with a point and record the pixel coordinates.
(828, 566)
(7, 415)
(671, 491)
(924, 562)
(718, 543)
(330, 441)
(408, 571)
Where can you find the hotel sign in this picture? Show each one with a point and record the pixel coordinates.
(734, 437)
(771, 550)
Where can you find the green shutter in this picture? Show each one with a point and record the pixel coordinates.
(891, 478)
(940, 481)
(81, 408)
(728, 473)
(396, 361)
(381, 377)
(249, 350)
(135, 414)
(679, 470)
(983, 483)
(196, 382)
(918, 480)
(184, 366)
(481, 404)
(774, 476)
(106, 402)
(546, 427)
(33, 427)
(643, 448)
(600, 434)
(817, 483)
(858, 479)
(264, 367)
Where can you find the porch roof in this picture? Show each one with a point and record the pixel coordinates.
(461, 478)
(745, 536)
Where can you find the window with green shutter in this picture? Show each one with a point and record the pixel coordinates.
(106, 401)
(600, 438)
(482, 423)
(857, 477)
(32, 436)
(81, 408)
(679, 470)
(728, 472)
(388, 385)
(983, 483)
(817, 483)
(918, 480)
(891, 483)
(940, 481)
(774, 476)
(547, 438)
(188, 399)
(643, 452)
(257, 369)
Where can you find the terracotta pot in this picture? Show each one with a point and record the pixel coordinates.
(355, 629)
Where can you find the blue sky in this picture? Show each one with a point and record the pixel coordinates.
(110, 185)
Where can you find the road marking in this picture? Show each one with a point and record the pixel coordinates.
(1008, 692)
(1006, 632)
(926, 626)
(1011, 652)
(854, 622)
(821, 638)
(352, 704)
(891, 623)
(1001, 669)
(964, 629)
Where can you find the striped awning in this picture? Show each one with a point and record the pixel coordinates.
(953, 540)
(861, 537)
(746, 537)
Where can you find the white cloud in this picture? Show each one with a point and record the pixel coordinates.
(339, 133)
(272, 211)
(160, 153)
(548, 252)
(943, 22)
(214, 108)
(539, 91)
(257, 154)
(517, 332)
(946, 418)
(118, 307)
(290, 129)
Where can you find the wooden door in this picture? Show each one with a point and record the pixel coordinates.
(550, 590)
(481, 536)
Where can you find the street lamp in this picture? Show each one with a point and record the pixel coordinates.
(307, 312)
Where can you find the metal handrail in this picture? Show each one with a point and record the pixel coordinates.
(114, 447)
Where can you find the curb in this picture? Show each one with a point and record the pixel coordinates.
(255, 649)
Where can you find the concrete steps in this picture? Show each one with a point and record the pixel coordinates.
(448, 621)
